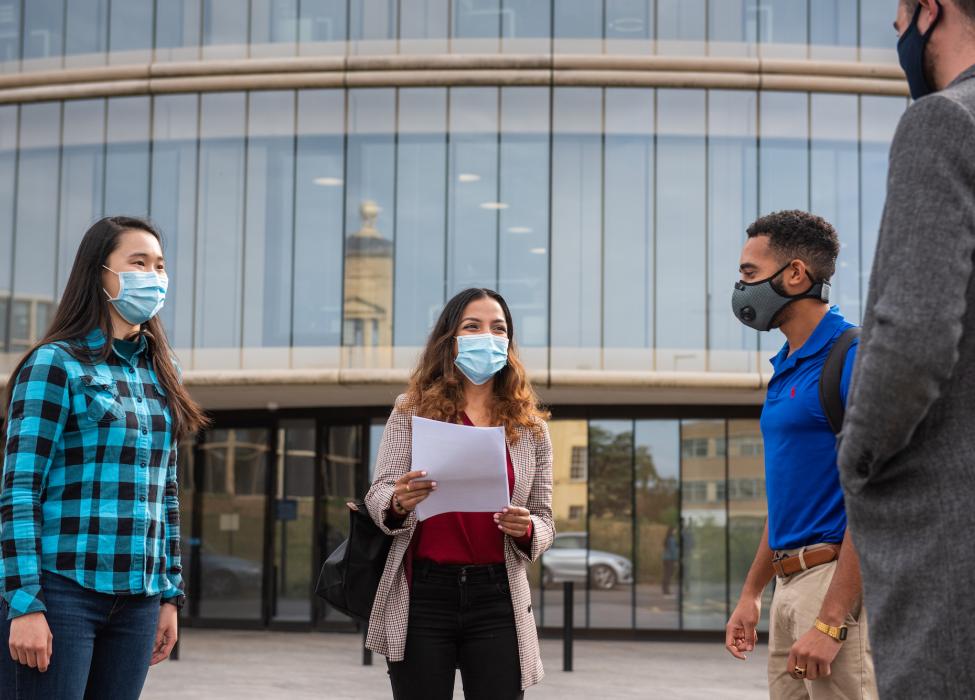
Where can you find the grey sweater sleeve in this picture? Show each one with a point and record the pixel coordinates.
(922, 269)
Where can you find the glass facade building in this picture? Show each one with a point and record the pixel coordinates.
(327, 173)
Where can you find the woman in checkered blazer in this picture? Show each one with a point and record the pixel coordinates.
(455, 592)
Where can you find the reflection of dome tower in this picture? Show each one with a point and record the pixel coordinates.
(368, 283)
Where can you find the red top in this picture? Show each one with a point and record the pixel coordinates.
(465, 538)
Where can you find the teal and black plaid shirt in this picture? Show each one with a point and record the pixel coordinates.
(89, 478)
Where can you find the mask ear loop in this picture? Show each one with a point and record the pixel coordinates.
(121, 285)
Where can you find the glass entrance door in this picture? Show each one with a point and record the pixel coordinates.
(343, 477)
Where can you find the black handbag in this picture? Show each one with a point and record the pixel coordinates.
(351, 574)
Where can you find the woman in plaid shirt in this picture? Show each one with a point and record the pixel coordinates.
(455, 589)
(89, 516)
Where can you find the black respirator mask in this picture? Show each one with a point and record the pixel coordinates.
(757, 304)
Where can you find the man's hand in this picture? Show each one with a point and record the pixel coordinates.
(740, 632)
(31, 641)
(165, 633)
(814, 652)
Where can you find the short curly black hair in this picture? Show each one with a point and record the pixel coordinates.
(799, 235)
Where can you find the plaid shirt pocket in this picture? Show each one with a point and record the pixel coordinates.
(101, 397)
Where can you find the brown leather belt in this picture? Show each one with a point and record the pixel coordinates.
(806, 559)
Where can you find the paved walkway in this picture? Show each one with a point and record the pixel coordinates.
(293, 665)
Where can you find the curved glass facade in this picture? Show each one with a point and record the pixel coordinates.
(52, 34)
(325, 228)
(322, 228)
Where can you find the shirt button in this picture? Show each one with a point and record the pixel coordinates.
(145, 430)
(142, 499)
(131, 370)
(143, 465)
(138, 399)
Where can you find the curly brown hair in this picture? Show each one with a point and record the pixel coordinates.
(436, 388)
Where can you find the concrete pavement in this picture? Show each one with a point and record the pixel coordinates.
(220, 664)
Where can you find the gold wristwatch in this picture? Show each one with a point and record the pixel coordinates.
(837, 633)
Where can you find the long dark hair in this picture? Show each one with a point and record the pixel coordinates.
(436, 387)
(84, 307)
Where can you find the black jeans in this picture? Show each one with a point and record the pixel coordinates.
(460, 617)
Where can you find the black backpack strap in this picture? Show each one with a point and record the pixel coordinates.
(830, 396)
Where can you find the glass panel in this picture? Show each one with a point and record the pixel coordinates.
(233, 504)
(833, 30)
(834, 166)
(172, 206)
(274, 28)
(477, 26)
(220, 215)
(178, 24)
(878, 39)
(224, 29)
(319, 194)
(681, 230)
(524, 235)
(732, 200)
(473, 205)
(36, 226)
(86, 32)
(566, 560)
(526, 26)
(578, 26)
(294, 518)
(371, 157)
(269, 232)
(341, 462)
(127, 156)
(10, 36)
(131, 31)
(878, 120)
(372, 26)
(783, 170)
(682, 27)
(322, 27)
(8, 176)
(746, 505)
(43, 34)
(609, 560)
(630, 26)
(628, 246)
(576, 228)
(704, 519)
(82, 178)
(784, 28)
(424, 26)
(421, 172)
(732, 27)
(657, 557)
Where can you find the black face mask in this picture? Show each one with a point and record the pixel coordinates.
(910, 52)
(758, 304)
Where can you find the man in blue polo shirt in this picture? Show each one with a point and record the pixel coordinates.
(818, 645)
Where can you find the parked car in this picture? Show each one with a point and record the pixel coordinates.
(567, 560)
(223, 575)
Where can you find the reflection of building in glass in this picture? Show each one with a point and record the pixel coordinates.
(368, 284)
(28, 316)
(321, 207)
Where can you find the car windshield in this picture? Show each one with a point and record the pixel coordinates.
(569, 542)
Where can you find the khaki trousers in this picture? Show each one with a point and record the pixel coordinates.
(795, 606)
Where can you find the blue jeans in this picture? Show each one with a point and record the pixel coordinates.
(102, 645)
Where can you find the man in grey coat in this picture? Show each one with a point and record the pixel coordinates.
(907, 450)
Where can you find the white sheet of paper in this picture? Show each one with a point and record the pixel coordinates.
(468, 464)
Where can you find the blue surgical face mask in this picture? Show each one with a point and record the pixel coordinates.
(140, 295)
(481, 356)
(910, 52)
